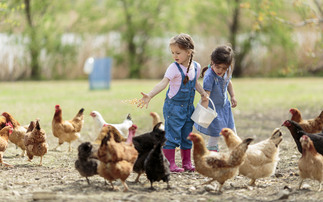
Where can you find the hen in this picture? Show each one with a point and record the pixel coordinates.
(5, 132)
(217, 165)
(261, 158)
(121, 127)
(144, 143)
(157, 166)
(109, 128)
(311, 163)
(87, 162)
(3, 121)
(297, 132)
(314, 125)
(18, 133)
(67, 131)
(35, 142)
(116, 160)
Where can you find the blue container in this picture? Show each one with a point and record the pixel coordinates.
(101, 74)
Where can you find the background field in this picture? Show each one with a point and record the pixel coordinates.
(263, 105)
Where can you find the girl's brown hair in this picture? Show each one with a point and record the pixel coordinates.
(222, 55)
(185, 42)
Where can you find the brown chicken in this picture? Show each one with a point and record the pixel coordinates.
(18, 133)
(261, 158)
(67, 131)
(106, 128)
(116, 160)
(311, 163)
(3, 121)
(217, 165)
(4, 136)
(35, 142)
(314, 125)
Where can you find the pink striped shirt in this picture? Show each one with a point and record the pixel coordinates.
(175, 77)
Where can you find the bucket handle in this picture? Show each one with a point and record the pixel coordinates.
(212, 104)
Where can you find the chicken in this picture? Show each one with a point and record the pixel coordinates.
(67, 131)
(314, 125)
(217, 165)
(116, 160)
(35, 142)
(157, 166)
(121, 127)
(18, 134)
(5, 132)
(109, 128)
(297, 132)
(144, 143)
(3, 122)
(261, 158)
(87, 162)
(311, 163)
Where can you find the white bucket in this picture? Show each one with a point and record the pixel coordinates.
(203, 116)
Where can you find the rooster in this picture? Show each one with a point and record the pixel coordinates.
(66, 131)
(35, 142)
(18, 133)
(261, 158)
(116, 160)
(217, 165)
(121, 127)
(311, 163)
(5, 132)
(314, 125)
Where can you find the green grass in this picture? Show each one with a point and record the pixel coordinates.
(27, 101)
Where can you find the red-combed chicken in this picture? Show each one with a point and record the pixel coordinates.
(261, 158)
(18, 133)
(314, 125)
(111, 129)
(35, 142)
(5, 132)
(217, 165)
(116, 160)
(121, 127)
(67, 131)
(311, 163)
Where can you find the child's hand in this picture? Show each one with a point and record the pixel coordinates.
(233, 102)
(205, 100)
(144, 100)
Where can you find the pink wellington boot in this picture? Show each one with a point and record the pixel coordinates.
(170, 155)
(186, 160)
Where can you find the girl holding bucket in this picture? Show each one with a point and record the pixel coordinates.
(181, 76)
(216, 82)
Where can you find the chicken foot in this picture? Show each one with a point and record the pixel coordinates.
(137, 179)
(125, 186)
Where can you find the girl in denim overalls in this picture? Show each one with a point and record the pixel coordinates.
(178, 106)
(216, 83)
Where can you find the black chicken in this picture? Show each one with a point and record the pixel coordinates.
(157, 166)
(87, 162)
(297, 132)
(144, 144)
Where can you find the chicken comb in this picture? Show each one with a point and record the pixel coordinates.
(9, 124)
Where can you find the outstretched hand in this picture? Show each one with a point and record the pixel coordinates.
(144, 100)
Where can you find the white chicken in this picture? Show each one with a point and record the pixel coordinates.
(123, 127)
(262, 157)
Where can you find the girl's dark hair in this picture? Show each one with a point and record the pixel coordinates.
(222, 55)
(185, 42)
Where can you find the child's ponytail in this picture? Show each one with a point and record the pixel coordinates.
(188, 69)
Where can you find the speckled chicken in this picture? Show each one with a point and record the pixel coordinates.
(35, 142)
(87, 162)
(217, 165)
(311, 163)
(261, 158)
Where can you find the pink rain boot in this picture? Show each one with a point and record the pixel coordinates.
(186, 160)
(170, 155)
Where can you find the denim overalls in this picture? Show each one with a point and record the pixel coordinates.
(177, 113)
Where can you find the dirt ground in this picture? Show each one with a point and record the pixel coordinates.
(57, 179)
